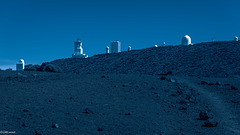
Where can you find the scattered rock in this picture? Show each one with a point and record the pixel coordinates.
(234, 88)
(203, 116)
(234, 101)
(24, 125)
(99, 129)
(210, 124)
(183, 101)
(125, 85)
(25, 110)
(163, 78)
(191, 100)
(179, 92)
(36, 133)
(103, 76)
(168, 73)
(152, 88)
(204, 82)
(182, 108)
(210, 83)
(127, 114)
(55, 126)
(172, 80)
(218, 83)
(87, 111)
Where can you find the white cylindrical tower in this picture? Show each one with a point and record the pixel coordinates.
(129, 48)
(164, 44)
(107, 49)
(78, 50)
(78, 47)
(186, 40)
(20, 65)
(235, 38)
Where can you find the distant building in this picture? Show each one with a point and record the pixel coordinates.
(115, 46)
(155, 46)
(78, 50)
(129, 48)
(236, 38)
(164, 44)
(107, 49)
(20, 65)
(186, 40)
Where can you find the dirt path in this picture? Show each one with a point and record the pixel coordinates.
(224, 112)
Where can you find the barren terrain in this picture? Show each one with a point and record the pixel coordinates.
(168, 90)
(125, 104)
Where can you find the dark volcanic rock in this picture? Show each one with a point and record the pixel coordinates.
(234, 88)
(25, 110)
(87, 111)
(24, 125)
(99, 129)
(210, 124)
(36, 133)
(163, 78)
(127, 114)
(204, 82)
(203, 116)
(55, 126)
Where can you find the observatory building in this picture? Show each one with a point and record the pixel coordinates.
(129, 48)
(78, 50)
(107, 49)
(20, 65)
(186, 40)
(236, 38)
(115, 46)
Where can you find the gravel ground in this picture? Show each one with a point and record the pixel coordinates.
(125, 104)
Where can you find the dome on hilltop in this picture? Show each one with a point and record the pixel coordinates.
(235, 38)
(186, 40)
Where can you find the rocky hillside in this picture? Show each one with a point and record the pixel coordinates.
(210, 59)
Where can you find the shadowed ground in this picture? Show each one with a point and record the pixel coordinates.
(126, 104)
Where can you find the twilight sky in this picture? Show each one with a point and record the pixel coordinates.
(44, 30)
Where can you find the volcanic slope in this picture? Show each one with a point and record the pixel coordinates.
(210, 59)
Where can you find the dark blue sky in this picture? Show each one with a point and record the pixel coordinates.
(45, 30)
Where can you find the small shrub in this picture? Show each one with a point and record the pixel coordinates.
(52, 68)
(41, 68)
(31, 67)
(27, 67)
(9, 69)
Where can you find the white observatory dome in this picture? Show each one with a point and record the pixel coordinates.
(236, 38)
(21, 61)
(186, 40)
